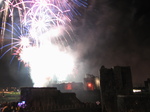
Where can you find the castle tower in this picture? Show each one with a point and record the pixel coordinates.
(114, 81)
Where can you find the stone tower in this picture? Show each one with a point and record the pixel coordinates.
(114, 81)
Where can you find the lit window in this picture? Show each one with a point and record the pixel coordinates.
(68, 87)
(90, 86)
(136, 90)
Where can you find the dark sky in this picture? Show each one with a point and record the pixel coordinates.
(109, 33)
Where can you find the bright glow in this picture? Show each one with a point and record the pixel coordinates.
(24, 42)
(89, 85)
(55, 32)
(41, 23)
(46, 62)
(97, 82)
(136, 90)
(68, 86)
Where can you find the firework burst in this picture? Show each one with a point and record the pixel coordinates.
(42, 24)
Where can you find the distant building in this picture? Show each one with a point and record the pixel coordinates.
(114, 81)
(86, 91)
(85, 95)
(147, 85)
(69, 86)
(91, 82)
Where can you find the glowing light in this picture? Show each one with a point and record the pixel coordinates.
(89, 85)
(97, 82)
(41, 22)
(24, 42)
(55, 32)
(136, 90)
(48, 61)
(68, 86)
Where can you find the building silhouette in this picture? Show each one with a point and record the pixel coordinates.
(49, 99)
(147, 85)
(113, 82)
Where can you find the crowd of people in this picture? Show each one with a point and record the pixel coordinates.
(10, 107)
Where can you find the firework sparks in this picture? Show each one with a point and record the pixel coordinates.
(41, 22)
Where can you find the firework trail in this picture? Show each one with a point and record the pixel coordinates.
(42, 23)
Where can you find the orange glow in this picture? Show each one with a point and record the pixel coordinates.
(68, 87)
(90, 86)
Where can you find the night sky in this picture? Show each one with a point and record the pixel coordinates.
(108, 33)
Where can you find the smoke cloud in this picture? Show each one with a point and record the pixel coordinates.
(114, 33)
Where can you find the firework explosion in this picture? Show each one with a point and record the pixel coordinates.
(43, 26)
